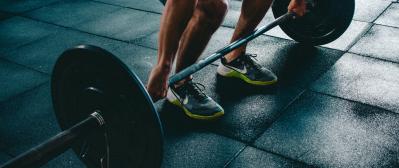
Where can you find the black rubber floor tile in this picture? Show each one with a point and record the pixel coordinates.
(124, 24)
(369, 10)
(139, 60)
(16, 80)
(351, 36)
(362, 79)
(293, 63)
(380, 42)
(5, 16)
(69, 13)
(220, 39)
(150, 41)
(198, 149)
(18, 31)
(67, 159)
(4, 158)
(29, 120)
(249, 109)
(252, 157)
(42, 54)
(233, 14)
(323, 131)
(390, 17)
(22, 6)
(187, 145)
(147, 5)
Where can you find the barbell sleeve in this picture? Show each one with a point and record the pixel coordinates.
(58, 144)
(218, 54)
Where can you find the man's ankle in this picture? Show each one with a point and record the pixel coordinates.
(181, 82)
(232, 56)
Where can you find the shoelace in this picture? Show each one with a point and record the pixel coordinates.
(193, 89)
(251, 62)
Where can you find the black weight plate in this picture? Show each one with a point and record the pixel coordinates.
(323, 22)
(87, 78)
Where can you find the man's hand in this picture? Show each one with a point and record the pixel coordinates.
(158, 83)
(298, 6)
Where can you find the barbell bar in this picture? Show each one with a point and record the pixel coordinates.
(58, 144)
(123, 127)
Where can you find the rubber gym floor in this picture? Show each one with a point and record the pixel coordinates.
(335, 105)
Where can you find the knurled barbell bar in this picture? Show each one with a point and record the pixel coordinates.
(106, 114)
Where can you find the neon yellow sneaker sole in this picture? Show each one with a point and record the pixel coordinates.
(241, 76)
(176, 102)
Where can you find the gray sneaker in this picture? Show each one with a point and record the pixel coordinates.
(195, 103)
(245, 68)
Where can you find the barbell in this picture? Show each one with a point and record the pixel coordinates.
(106, 114)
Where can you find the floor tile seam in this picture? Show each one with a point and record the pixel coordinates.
(8, 154)
(23, 45)
(50, 4)
(382, 12)
(227, 26)
(293, 41)
(251, 145)
(372, 57)
(277, 117)
(218, 134)
(26, 67)
(126, 7)
(235, 156)
(29, 43)
(29, 90)
(322, 74)
(358, 20)
(138, 43)
(285, 157)
(354, 101)
(229, 138)
(385, 25)
(358, 38)
(110, 38)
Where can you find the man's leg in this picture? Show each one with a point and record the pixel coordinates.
(238, 63)
(175, 18)
(208, 16)
(252, 12)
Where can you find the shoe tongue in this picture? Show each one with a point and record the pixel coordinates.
(195, 90)
(248, 58)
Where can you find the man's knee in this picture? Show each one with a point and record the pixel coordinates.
(213, 11)
(221, 7)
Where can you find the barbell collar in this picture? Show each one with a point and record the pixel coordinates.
(218, 54)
